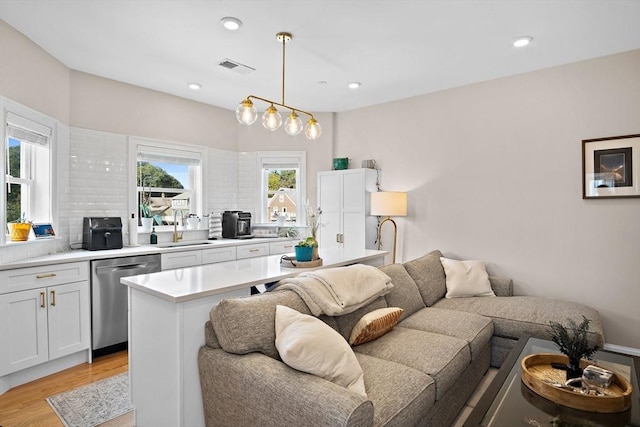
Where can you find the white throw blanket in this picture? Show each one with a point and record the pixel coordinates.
(340, 290)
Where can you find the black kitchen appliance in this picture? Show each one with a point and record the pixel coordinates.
(102, 233)
(236, 225)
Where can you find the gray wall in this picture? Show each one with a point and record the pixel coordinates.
(493, 172)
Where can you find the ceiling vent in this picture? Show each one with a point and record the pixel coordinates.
(235, 66)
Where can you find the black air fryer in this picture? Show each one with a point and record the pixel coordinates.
(102, 233)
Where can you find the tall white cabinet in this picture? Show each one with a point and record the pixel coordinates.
(344, 197)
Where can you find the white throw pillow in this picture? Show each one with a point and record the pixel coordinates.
(308, 344)
(466, 279)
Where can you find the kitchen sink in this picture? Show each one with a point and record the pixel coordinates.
(185, 243)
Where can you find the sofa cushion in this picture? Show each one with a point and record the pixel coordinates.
(428, 274)
(375, 324)
(245, 325)
(307, 344)
(475, 329)
(400, 394)
(517, 315)
(405, 293)
(348, 321)
(441, 357)
(466, 279)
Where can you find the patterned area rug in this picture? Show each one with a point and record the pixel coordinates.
(93, 404)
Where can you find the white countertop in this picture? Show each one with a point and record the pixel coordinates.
(85, 255)
(190, 283)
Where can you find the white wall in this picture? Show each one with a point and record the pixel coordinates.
(493, 172)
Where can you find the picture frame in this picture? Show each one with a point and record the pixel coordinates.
(611, 167)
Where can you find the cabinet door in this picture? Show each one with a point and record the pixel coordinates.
(210, 256)
(181, 259)
(285, 247)
(330, 201)
(252, 251)
(23, 330)
(69, 318)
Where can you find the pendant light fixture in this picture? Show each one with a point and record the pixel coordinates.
(247, 114)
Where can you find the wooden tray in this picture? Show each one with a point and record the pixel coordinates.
(291, 262)
(540, 377)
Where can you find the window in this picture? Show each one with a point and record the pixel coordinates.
(168, 184)
(282, 186)
(27, 189)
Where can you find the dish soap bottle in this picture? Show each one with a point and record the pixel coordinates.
(153, 237)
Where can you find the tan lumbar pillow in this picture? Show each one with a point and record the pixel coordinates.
(466, 279)
(308, 344)
(375, 324)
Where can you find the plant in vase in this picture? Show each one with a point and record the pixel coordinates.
(573, 343)
(19, 229)
(313, 221)
(304, 249)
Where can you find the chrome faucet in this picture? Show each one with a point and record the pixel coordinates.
(176, 236)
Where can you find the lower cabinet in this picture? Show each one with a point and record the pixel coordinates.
(42, 324)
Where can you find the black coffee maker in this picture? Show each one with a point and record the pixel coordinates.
(236, 225)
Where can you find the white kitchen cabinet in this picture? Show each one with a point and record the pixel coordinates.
(344, 198)
(284, 247)
(181, 259)
(44, 323)
(209, 256)
(253, 250)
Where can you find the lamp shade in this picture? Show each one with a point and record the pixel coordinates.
(389, 203)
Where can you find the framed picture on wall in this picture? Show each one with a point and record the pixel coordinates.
(611, 167)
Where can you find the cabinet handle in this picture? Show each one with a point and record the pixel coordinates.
(288, 246)
(53, 298)
(254, 250)
(44, 276)
(41, 299)
(337, 238)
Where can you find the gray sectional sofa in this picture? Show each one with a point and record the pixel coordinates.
(419, 373)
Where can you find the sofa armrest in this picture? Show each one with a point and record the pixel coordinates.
(502, 286)
(255, 389)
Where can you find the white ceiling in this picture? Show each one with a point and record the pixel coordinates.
(396, 48)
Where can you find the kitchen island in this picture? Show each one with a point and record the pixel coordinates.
(167, 313)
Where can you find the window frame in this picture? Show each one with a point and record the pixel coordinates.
(293, 159)
(39, 184)
(198, 199)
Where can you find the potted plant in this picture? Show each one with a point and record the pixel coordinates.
(304, 249)
(572, 341)
(19, 229)
(313, 220)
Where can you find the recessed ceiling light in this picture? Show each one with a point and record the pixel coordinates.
(194, 86)
(354, 85)
(231, 23)
(522, 41)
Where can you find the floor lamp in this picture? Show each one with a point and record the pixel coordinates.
(388, 204)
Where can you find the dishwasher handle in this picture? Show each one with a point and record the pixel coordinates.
(149, 266)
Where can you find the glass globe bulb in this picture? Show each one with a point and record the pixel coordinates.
(313, 129)
(293, 124)
(246, 113)
(271, 119)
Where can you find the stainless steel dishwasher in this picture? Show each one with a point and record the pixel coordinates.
(109, 332)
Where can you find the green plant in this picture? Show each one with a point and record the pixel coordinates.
(309, 242)
(21, 220)
(572, 339)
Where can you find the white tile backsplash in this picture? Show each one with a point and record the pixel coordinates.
(92, 169)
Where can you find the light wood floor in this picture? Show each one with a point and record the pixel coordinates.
(25, 405)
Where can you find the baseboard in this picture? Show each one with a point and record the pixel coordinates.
(35, 372)
(622, 349)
